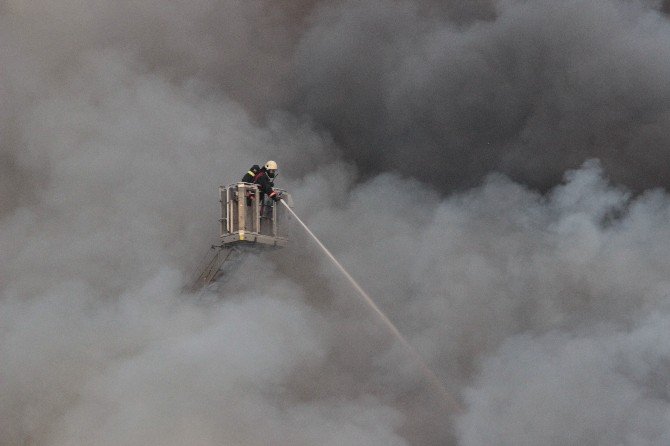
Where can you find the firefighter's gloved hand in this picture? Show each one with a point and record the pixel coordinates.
(276, 197)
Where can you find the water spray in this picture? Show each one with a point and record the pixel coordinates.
(430, 376)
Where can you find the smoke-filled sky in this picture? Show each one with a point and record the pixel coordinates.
(493, 172)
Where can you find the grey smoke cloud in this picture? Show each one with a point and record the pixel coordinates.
(494, 273)
(119, 120)
(537, 89)
(597, 388)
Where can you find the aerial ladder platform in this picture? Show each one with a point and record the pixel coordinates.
(247, 223)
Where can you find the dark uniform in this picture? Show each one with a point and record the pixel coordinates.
(266, 185)
(251, 174)
(264, 178)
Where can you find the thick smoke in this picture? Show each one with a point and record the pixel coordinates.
(538, 88)
(414, 136)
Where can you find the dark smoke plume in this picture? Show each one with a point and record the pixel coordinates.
(530, 90)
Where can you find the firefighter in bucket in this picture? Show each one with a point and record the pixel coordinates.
(264, 177)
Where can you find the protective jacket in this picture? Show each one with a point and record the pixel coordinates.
(251, 174)
(265, 185)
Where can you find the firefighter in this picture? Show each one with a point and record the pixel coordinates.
(251, 174)
(265, 179)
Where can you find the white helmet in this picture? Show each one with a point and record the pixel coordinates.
(271, 168)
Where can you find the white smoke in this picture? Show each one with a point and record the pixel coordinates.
(607, 386)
